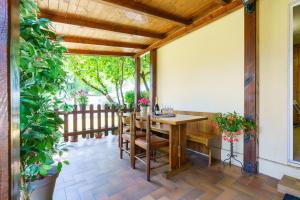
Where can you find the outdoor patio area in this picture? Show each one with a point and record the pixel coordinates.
(97, 172)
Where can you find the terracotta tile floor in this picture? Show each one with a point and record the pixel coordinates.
(96, 172)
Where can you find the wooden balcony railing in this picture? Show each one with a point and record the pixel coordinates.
(88, 121)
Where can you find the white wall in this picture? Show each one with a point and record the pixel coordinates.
(204, 70)
(273, 90)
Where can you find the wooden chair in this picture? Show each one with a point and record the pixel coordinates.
(150, 143)
(124, 134)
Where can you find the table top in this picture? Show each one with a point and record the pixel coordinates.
(178, 119)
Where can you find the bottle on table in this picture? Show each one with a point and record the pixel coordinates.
(156, 107)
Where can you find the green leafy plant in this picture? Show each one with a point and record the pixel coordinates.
(232, 124)
(130, 97)
(82, 98)
(42, 78)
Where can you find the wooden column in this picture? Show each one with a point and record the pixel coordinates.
(137, 81)
(250, 81)
(153, 77)
(9, 100)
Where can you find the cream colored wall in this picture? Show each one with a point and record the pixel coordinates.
(273, 31)
(204, 70)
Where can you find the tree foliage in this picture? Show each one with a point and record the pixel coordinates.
(103, 74)
(42, 77)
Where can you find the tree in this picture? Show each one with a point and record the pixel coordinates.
(145, 71)
(103, 73)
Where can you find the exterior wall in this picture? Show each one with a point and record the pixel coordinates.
(273, 32)
(204, 70)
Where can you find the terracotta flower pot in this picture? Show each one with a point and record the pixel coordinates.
(98, 135)
(44, 188)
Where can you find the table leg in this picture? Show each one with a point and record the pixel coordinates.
(177, 147)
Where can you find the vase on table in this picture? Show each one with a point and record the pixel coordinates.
(144, 111)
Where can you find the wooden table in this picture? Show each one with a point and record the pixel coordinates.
(177, 139)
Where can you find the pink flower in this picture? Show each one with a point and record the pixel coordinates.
(144, 102)
(239, 132)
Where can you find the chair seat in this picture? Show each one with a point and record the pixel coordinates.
(156, 142)
(126, 136)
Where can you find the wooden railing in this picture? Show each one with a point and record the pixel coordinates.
(94, 121)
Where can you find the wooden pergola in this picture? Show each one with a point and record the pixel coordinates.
(130, 28)
(117, 28)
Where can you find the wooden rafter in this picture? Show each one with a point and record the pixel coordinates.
(222, 11)
(99, 53)
(223, 2)
(104, 25)
(85, 40)
(136, 6)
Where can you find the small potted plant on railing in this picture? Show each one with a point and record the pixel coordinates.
(144, 103)
(231, 125)
(82, 99)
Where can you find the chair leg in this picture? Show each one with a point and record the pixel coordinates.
(148, 154)
(127, 145)
(132, 154)
(121, 148)
(209, 157)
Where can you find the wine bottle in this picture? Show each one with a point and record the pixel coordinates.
(156, 107)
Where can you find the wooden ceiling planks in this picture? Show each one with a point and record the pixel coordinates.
(85, 22)
(126, 27)
(86, 40)
(139, 7)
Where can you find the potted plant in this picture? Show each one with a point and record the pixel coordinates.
(144, 103)
(82, 99)
(41, 78)
(231, 125)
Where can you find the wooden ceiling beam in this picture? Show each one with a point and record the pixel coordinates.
(223, 2)
(214, 15)
(99, 53)
(139, 7)
(104, 25)
(85, 40)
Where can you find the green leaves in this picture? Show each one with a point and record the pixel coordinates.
(42, 78)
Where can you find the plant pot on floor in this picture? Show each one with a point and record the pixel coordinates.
(98, 135)
(43, 189)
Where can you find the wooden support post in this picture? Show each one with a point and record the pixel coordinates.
(92, 120)
(83, 119)
(74, 138)
(153, 77)
(250, 106)
(9, 101)
(137, 82)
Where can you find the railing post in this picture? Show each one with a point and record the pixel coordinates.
(113, 119)
(83, 119)
(74, 138)
(106, 119)
(66, 127)
(92, 120)
(99, 134)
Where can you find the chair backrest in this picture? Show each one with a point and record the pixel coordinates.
(140, 124)
(205, 126)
